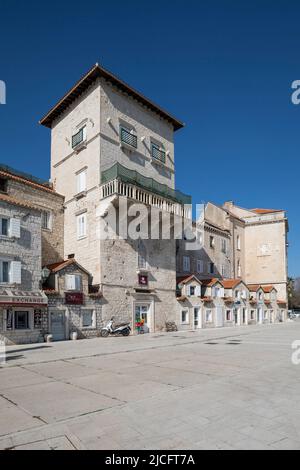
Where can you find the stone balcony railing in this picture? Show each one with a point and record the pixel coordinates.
(121, 181)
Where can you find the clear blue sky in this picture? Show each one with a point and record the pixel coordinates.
(225, 68)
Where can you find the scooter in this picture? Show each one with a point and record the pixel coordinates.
(120, 330)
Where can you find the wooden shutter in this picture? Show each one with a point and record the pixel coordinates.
(15, 272)
(15, 227)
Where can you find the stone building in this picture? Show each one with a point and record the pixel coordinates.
(237, 246)
(41, 194)
(109, 146)
(23, 305)
(212, 303)
(72, 305)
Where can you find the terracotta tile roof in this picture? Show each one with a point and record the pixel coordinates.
(281, 302)
(265, 211)
(56, 267)
(230, 283)
(12, 176)
(17, 202)
(210, 282)
(268, 289)
(186, 279)
(206, 299)
(253, 287)
(228, 299)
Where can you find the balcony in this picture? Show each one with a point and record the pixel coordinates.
(128, 138)
(129, 183)
(158, 154)
(79, 138)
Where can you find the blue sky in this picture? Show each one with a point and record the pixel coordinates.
(223, 67)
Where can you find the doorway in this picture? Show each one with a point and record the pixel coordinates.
(57, 325)
(143, 318)
(197, 318)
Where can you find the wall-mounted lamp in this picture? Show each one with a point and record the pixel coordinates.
(143, 138)
(108, 120)
(67, 140)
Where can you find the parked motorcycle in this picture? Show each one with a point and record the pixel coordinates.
(117, 330)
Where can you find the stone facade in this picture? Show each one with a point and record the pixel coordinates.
(45, 198)
(103, 109)
(21, 248)
(57, 289)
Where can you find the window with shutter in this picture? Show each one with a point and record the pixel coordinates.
(15, 228)
(81, 181)
(81, 226)
(15, 272)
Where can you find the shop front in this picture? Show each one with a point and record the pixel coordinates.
(23, 316)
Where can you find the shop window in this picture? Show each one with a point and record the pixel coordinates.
(228, 315)
(22, 320)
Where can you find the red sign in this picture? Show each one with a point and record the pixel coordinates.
(75, 298)
(143, 280)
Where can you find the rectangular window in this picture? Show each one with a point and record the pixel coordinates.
(4, 226)
(3, 185)
(46, 220)
(5, 271)
(192, 290)
(212, 241)
(73, 282)
(186, 264)
(158, 153)
(81, 181)
(252, 315)
(237, 294)
(79, 137)
(184, 316)
(21, 320)
(208, 316)
(238, 242)
(87, 319)
(199, 266)
(223, 247)
(128, 137)
(211, 268)
(81, 226)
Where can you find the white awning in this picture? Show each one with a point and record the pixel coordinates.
(15, 297)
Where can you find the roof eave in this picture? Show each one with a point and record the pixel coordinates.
(95, 72)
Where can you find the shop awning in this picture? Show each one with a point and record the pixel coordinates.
(15, 297)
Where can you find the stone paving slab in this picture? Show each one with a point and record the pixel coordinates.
(169, 391)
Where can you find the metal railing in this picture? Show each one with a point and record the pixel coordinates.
(158, 154)
(123, 174)
(77, 138)
(128, 138)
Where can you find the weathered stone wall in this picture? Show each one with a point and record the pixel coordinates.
(27, 248)
(73, 315)
(52, 239)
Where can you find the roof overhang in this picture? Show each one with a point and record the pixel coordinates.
(90, 77)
